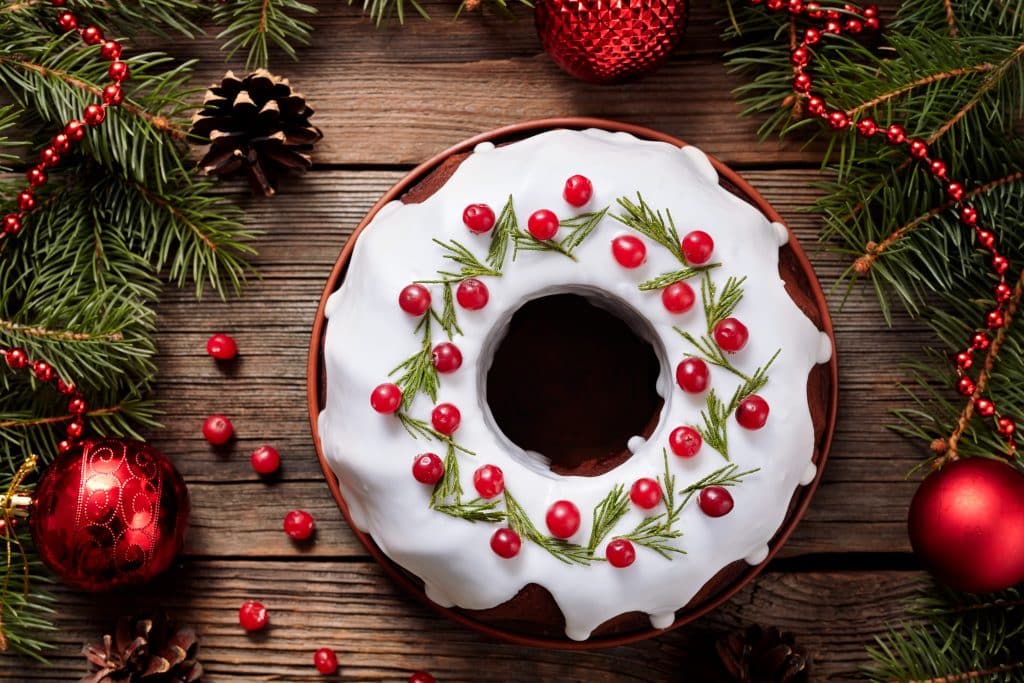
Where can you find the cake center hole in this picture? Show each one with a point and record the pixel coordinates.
(574, 382)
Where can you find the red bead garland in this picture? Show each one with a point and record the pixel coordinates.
(17, 359)
(94, 115)
(918, 150)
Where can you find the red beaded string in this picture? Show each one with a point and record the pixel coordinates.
(856, 21)
(74, 131)
(17, 359)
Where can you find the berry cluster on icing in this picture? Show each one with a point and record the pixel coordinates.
(494, 503)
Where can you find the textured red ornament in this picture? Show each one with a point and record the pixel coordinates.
(967, 525)
(608, 42)
(109, 513)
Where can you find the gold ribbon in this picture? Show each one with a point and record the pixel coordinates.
(15, 498)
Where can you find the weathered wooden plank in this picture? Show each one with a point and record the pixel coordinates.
(381, 635)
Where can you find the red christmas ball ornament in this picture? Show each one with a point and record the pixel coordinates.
(325, 661)
(602, 42)
(505, 543)
(221, 347)
(563, 519)
(109, 513)
(966, 524)
(299, 524)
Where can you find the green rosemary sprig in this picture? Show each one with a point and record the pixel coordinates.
(476, 510)
(580, 228)
(504, 229)
(713, 431)
(719, 305)
(672, 277)
(419, 429)
(524, 241)
(607, 514)
(448, 319)
(470, 264)
(658, 532)
(726, 476)
(645, 220)
(567, 552)
(418, 371)
(449, 489)
(710, 352)
(754, 383)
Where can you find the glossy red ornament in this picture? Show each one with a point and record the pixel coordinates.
(563, 519)
(489, 481)
(325, 661)
(113, 95)
(217, 429)
(629, 251)
(715, 501)
(414, 299)
(966, 524)
(602, 42)
(984, 406)
(265, 460)
(620, 553)
(386, 398)
(578, 190)
(118, 71)
(221, 347)
(94, 114)
(697, 247)
(253, 616)
(12, 224)
(645, 493)
(299, 524)
(92, 35)
(446, 357)
(472, 294)
(109, 513)
(678, 297)
(752, 412)
(542, 224)
(505, 543)
(896, 134)
(731, 335)
(446, 418)
(111, 50)
(427, 468)
(685, 441)
(478, 218)
(692, 375)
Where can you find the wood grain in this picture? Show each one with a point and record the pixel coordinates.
(381, 635)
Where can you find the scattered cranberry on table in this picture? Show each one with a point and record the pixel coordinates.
(217, 429)
(685, 441)
(427, 468)
(620, 553)
(421, 677)
(221, 347)
(563, 519)
(253, 616)
(299, 525)
(265, 460)
(506, 543)
(578, 190)
(325, 661)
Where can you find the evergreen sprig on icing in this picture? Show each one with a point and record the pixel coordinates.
(418, 371)
(639, 216)
(672, 277)
(719, 304)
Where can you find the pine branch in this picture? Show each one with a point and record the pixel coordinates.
(258, 25)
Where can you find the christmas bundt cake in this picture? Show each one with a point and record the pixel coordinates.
(570, 386)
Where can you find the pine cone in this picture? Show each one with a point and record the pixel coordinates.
(140, 651)
(257, 125)
(757, 655)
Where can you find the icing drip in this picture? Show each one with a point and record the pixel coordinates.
(781, 233)
(367, 334)
(635, 443)
(758, 556)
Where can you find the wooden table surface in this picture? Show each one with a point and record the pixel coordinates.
(386, 100)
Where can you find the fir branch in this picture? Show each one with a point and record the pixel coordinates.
(670, 278)
(564, 551)
(418, 371)
(642, 218)
(607, 514)
(719, 305)
(256, 25)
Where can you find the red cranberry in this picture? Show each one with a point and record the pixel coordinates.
(221, 347)
(446, 418)
(692, 375)
(505, 543)
(386, 398)
(629, 251)
(731, 335)
(685, 441)
(678, 297)
(563, 519)
(253, 616)
(218, 430)
(715, 501)
(489, 481)
(620, 553)
(414, 299)
(427, 468)
(478, 217)
(752, 412)
(578, 190)
(645, 493)
(697, 247)
(325, 661)
(265, 460)
(299, 524)
(446, 357)
(421, 677)
(472, 294)
(542, 224)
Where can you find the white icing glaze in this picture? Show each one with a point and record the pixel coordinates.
(781, 233)
(824, 348)
(809, 474)
(367, 335)
(635, 443)
(758, 556)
